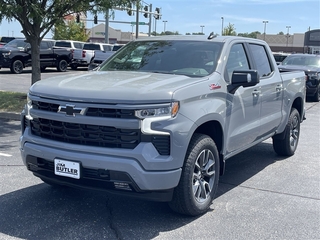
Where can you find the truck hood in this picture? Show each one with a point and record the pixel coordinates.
(307, 69)
(113, 87)
(10, 49)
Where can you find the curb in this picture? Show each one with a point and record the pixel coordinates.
(10, 115)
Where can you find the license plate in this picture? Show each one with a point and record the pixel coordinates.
(67, 168)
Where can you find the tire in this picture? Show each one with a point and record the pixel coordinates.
(199, 179)
(62, 65)
(287, 145)
(16, 67)
(74, 66)
(316, 96)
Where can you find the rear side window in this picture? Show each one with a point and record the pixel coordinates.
(63, 44)
(91, 47)
(261, 59)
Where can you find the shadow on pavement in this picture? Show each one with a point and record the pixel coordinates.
(45, 212)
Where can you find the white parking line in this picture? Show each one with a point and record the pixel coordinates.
(5, 155)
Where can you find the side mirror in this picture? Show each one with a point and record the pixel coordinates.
(28, 49)
(246, 78)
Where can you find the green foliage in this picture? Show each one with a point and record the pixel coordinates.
(70, 30)
(37, 18)
(249, 35)
(229, 30)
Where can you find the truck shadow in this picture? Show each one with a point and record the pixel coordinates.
(59, 213)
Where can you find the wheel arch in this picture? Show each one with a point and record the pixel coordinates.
(213, 129)
(21, 58)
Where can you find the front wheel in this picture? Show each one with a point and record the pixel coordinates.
(62, 65)
(16, 66)
(287, 145)
(199, 179)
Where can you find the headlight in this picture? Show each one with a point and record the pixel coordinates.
(28, 107)
(6, 54)
(170, 111)
(151, 115)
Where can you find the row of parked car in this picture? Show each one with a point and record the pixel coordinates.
(88, 54)
(16, 54)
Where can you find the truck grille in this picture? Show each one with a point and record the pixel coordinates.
(92, 111)
(98, 136)
(85, 134)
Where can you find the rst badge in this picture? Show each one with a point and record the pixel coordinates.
(71, 110)
(67, 168)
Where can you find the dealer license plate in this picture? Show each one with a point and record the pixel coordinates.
(67, 168)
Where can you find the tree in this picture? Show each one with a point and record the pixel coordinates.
(229, 30)
(37, 17)
(250, 35)
(70, 30)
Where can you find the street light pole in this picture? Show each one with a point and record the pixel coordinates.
(164, 26)
(202, 26)
(222, 26)
(288, 27)
(265, 26)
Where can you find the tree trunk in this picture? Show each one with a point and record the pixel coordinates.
(35, 59)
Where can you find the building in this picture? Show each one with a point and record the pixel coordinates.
(308, 42)
(97, 34)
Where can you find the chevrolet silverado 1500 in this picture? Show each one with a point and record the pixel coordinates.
(160, 117)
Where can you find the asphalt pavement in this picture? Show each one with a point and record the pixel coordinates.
(261, 196)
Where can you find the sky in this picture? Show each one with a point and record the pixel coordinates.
(186, 16)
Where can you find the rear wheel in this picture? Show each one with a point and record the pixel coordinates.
(16, 67)
(287, 145)
(199, 179)
(62, 65)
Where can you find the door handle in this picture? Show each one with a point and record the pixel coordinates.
(279, 88)
(256, 93)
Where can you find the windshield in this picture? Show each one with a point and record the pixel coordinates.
(191, 58)
(304, 60)
(17, 43)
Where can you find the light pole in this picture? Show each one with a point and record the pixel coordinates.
(202, 26)
(222, 26)
(264, 32)
(164, 26)
(288, 27)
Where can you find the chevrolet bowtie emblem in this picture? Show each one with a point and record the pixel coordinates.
(71, 110)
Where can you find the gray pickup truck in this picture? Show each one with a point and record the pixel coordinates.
(160, 117)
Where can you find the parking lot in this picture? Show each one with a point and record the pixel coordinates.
(261, 195)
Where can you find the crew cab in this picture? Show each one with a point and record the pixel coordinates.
(159, 119)
(16, 55)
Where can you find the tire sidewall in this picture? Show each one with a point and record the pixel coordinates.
(204, 143)
(17, 62)
(62, 65)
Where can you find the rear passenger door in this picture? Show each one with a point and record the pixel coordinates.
(271, 88)
(46, 53)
